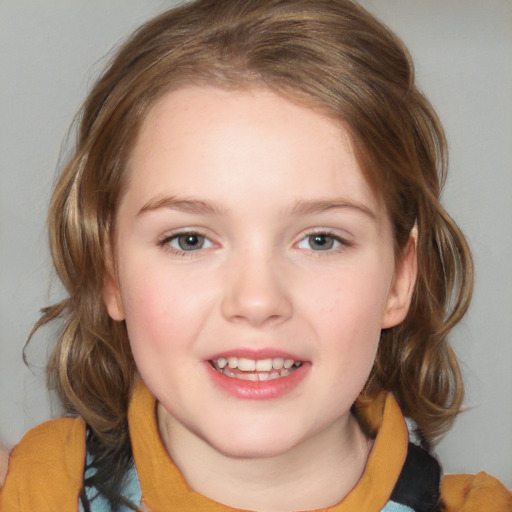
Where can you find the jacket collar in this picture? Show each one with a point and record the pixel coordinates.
(164, 488)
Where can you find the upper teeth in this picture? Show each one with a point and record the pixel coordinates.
(259, 365)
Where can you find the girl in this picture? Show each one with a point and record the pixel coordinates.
(261, 277)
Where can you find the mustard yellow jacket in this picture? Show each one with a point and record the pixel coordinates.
(46, 469)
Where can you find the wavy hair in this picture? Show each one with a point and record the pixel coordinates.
(331, 55)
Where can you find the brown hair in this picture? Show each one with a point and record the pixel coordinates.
(329, 54)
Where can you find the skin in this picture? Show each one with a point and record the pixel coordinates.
(258, 162)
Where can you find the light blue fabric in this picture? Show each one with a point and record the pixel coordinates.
(391, 506)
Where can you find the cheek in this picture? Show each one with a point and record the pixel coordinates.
(352, 302)
(161, 312)
(347, 313)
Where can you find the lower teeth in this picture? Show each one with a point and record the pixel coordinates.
(256, 376)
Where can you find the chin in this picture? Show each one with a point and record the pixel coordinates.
(254, 448)
(251, 443)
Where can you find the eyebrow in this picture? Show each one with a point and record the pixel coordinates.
(320, 206)
(300, 207)
(185, 205)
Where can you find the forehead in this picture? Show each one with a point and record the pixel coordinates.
(184, 111)
(219, 143)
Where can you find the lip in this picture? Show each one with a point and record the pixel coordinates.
(259, 390)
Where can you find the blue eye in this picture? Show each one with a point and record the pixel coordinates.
(187, 242)
(320, 242)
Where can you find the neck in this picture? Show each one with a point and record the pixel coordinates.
(318, 473)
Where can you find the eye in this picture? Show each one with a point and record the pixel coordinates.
(321, 242)
(187, 242)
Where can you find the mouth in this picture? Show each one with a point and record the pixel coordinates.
(255, 369)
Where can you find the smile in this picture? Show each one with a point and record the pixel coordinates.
(255, 369)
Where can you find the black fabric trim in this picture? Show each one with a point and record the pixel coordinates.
(418, 484)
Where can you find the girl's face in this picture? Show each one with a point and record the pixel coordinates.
(247, 241)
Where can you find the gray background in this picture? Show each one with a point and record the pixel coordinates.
(51, 51)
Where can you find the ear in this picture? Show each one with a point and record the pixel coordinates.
(400, 295)
(111, 291)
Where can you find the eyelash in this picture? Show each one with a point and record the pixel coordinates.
(165, 243)
(343, 243)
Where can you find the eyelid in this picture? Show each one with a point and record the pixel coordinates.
(343, 241)
(164, 240)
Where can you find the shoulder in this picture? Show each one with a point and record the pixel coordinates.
(55, 443)
(43, 439)
(482, 492)
(47, 463)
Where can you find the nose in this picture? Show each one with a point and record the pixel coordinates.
(256, 292)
